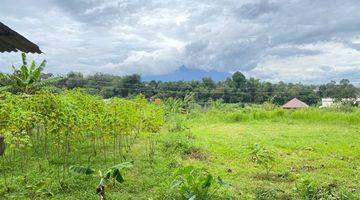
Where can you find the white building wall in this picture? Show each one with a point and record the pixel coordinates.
(326, 102)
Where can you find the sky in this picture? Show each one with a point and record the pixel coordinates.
(308, 41)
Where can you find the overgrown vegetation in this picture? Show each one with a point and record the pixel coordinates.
(48, 134)
(235, 89)
(194, 183)
(173, 148)
(57, 127)
(26, 79)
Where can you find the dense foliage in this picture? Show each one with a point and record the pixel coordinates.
(57, 133)
(73, 116)
(53, 126)
(238, 88)
(50, 131)
(25, 79)
(235, 89)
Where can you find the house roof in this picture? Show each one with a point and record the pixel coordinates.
(10, 40)
(295, 103)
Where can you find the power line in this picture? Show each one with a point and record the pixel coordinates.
(207, 92)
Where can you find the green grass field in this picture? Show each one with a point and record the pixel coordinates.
(321, 147)
(324, 153)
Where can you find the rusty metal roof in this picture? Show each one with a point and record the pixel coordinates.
(295, 103)
(10, 40)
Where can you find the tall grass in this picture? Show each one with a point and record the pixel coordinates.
(234, 113)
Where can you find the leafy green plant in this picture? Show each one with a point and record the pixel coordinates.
(26, 79)
(108, 179)
(195, 183)
(177, 123)
(39, 189)
(177, 143)
(54, 124)
(263, 157)
(174, 105)
(179, 105)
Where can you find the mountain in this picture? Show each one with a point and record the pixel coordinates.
(187, 74)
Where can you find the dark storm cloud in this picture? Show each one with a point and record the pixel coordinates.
(284, 52)
(254, 10)
(260, 37)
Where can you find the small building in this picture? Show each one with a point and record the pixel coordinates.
(326, 102)
(295, 104)
(329, 102)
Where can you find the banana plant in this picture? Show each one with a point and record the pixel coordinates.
(107, 179)
(26, 79)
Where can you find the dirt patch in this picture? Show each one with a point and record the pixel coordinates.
(277, 177)
(196, 153)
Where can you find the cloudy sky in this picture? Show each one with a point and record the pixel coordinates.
(291, 40)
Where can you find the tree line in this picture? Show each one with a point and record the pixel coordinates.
(235, 89)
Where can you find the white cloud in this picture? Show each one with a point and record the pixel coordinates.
(335, 59)
(270, 39)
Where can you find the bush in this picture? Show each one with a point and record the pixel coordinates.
(177, 123)
(263, 157)
(196, 183)
(178, 142)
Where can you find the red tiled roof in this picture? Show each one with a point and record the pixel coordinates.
(295, 103)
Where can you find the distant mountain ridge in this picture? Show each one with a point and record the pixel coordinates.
(187, 74)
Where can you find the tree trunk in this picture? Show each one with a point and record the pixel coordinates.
(101, 191)
(2, 145)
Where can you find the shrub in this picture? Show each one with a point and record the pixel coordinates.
(196, 183)
(177, 123)
(183, 144)
(108, 179)
(263, 157)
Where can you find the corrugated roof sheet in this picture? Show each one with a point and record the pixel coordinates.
(12, 41)
(295, 103)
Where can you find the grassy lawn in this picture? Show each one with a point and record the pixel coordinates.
(325, 152)
(322, 152)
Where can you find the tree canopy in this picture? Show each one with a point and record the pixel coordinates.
(234, 89)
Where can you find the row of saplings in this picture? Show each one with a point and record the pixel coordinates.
(54, 127)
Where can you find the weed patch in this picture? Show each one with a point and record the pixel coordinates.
(310, 191)
(271, 194)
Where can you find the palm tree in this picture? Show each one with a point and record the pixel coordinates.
(26, 79)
